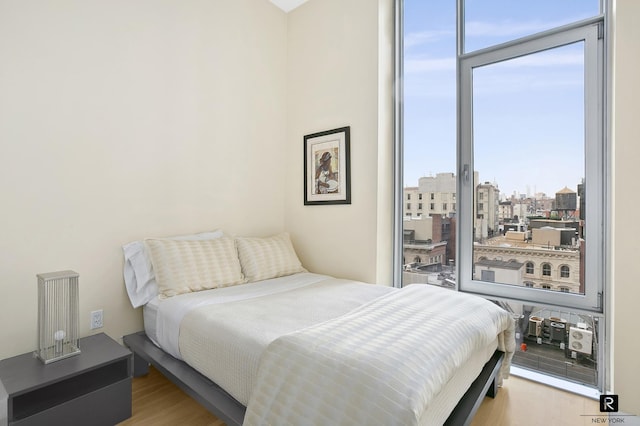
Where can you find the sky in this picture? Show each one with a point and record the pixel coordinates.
(528, 113)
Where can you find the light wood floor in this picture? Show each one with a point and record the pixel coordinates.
(158, 402)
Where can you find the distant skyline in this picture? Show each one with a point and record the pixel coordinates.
(528, 112)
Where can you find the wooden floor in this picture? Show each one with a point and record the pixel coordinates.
(523, 402)
(158, 402)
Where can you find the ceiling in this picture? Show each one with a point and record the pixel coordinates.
(287, 5)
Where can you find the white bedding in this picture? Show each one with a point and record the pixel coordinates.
(162, 317)
(225, 341)
(224, 332)
(383, 363)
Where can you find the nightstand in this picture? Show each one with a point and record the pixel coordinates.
(92, 388)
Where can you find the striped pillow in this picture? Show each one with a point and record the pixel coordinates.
(269, 257)
(183, 266)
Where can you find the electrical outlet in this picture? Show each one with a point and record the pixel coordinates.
(96, 319)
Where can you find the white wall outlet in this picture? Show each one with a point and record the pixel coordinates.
(96, 319)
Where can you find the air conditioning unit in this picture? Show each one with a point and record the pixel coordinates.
(535, 326)
(580, 340)
(558, 329)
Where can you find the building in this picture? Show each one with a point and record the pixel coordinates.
(439, 193)
(543, 265)
(426, 231)
(505, 211)
(498, 271)
(487, 207)
(412, 204)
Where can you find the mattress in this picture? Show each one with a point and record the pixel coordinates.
(446, 400)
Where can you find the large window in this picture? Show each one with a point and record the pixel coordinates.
(503, 128)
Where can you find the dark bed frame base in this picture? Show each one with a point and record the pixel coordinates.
(225, 407)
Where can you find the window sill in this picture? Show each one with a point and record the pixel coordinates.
(565, 385)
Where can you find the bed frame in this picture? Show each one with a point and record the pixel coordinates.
(224, 406)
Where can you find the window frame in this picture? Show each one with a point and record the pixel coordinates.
(591, 32)
(603, 326)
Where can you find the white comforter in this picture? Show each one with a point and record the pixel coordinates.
(380, 364)
(224, 335)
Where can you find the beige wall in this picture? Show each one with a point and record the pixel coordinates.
(626, 153)
(120, 120)
(333, 76)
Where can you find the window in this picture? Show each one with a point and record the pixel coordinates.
(419, 206)
(508, 117)
(488, 275)
(408, 196)
(529, 268)
(420, 196)
(544, 94)
(408, 206)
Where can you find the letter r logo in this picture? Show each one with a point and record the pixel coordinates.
(608, 403)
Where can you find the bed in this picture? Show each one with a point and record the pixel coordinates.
(281, 345)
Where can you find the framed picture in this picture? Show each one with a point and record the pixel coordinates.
(326, 167)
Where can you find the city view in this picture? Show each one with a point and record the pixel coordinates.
(513, 235)
(533, 241)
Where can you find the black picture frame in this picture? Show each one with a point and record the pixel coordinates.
(327, 168)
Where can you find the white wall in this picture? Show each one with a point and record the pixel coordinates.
(120, 120)
(334, 80)
(626, 153)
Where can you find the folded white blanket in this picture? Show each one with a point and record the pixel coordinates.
(380, 364)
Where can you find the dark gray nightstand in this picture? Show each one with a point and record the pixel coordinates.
(92, 388)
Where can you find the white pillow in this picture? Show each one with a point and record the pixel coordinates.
(269, 257)
(186, 266)
(139, 277)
